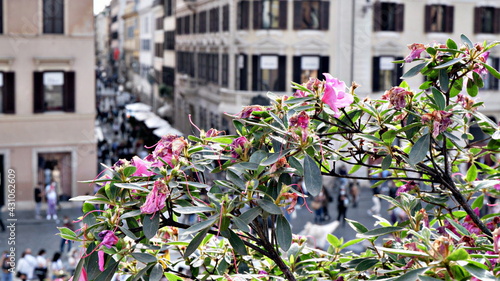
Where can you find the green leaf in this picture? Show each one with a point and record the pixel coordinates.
(195, 242)
(273, 158)
(431, 51)
(478, 203)
(458, 255)
(269, 206)
(131, 186)
(150, 224)
(472, 88)
(248, 216)
(87, 207)
(78, 269)
(351, 242)
(478, 80)
(466, 41)
(479, 273)
(144, 257)
(411, 275)
(381, 231)
(235, 241)
(492, 70)
(128, 232)
(156, 272)
(128, 171)
(357, 226)
(109, 270)
(451, 44)
(172, 277)
(471, 173)
(333, 240)
(200, 226)
(439, 98)
(419, 150)
(448, 63)
(366, 264)
(193, 210)
(283, 233)
(68, 233)
(386, 163)
(427, 278)
(414, 70)
(240, 224)
(444, 80)
(313, 180)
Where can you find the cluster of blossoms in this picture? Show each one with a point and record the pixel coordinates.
(439, 121)
(398, 97)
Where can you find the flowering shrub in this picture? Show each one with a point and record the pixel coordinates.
(237, 187)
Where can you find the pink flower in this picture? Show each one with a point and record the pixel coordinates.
(168, 148)
(416, 49)
(300, 120)
(212, 133)
(155, 201)
(335, 94)
(100, 255)
(141, 167)
(108, 238)
(397, 97)
(496, 240)
(439, 119)
(248, 110)
(239, 147)
(409, 186)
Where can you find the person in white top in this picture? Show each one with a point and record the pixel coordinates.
(41, 267)
(26, 265)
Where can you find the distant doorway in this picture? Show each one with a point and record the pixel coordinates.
(56, 167)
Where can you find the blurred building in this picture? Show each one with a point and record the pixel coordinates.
(47, 96)
(220, 55)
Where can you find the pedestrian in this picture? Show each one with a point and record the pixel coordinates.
(6, 267)
(26, 265)
(56, 266)
(318, 206)
(68, 224)
(342, 204)
(38, 197)
(354, 191)
(51, 196)
(41, 267)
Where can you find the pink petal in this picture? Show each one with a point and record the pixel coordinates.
(100, 255)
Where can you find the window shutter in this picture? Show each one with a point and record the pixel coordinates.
(377, 16)
(400, 17)
(281, 73)
(225, 18)
(9, 93)
(38, 97)
(69, 91)
(427, 21)
(297, 15)
(324, 67)
(244, 73)
(376, 74)
(478, 19)
(496, 64)
(283, 16)
(257, 14)
(496, 20)
(397, 74)
(297, 69)
(450, 15)
(324, 16)
(245, 18)
(255, 73)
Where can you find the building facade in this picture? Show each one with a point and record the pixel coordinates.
(48, 96)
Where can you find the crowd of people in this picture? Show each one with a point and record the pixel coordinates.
(41, 267)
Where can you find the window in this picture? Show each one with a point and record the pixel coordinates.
(168, 76)
(1, 16)
(167, 8)
(214, 20)
(305, 67)
(7, 92)
(225, 18)
(486, 20)
(243, 17)
(178, 25)
(439, 18)
(270, 14)
(311, 15)
(242, 72)
(169, 43)
(388, 16)
(159, 23)
(225, 66)
(386, 74)
(130, 32)
(159, 50)
(185, 63)
(53, 16)
(268, 73)
(187, 25)
(202, 24)
(145, 45)
(490, 82)
(54, 91)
